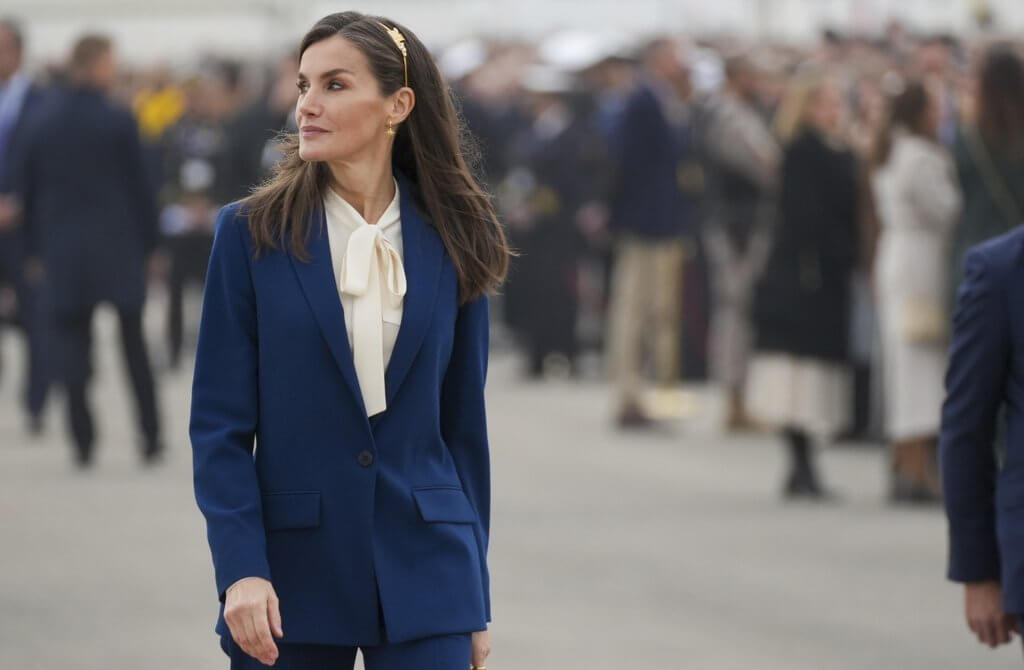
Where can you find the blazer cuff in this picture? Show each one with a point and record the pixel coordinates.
(974, 558)
(240, 569)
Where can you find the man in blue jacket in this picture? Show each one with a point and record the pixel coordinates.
(652, 146)
(19, 101)
(984, 486)
(90, 217)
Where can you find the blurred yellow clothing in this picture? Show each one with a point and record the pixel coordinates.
(159, 109)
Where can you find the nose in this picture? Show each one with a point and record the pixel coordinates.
(309, 106)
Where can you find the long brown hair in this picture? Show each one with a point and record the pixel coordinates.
(1001, 100)
(431, 149)
(907, 111)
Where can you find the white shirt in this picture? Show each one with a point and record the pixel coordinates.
(367, 261)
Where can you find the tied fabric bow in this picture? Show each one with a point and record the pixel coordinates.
(371, 272)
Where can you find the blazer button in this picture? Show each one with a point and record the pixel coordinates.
(365, 458)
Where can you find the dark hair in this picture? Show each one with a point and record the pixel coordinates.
(13, 28)
(1001, 99)
(87, 50)
(428, 149)
(907, 111)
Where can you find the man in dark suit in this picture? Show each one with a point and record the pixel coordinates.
(19, 99)
(651, 198)
(91, 218)
(984, 486)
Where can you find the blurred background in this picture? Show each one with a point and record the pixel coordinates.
(683, 477)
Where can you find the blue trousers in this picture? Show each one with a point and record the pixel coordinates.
(445, 652)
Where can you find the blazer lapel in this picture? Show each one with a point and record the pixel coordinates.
(317, 280)
(422, 255)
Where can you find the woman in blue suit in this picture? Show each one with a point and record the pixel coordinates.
(338, 429)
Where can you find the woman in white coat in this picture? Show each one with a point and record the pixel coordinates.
(918, 200)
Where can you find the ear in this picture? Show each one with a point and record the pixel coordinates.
(402, 103)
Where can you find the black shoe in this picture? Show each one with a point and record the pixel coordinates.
(633, 418)
(152, 451)
(805, 486)
(84, 457)
(904, 491)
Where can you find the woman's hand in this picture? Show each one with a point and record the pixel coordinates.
(481, 648)
(985, 615)
(252, 612)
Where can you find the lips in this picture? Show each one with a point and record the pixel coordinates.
(312, 131)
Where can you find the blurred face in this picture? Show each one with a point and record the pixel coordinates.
(103, 73)
(825, 111)
(341, 113)
(10, 55)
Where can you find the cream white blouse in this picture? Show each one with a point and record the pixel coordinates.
(367, 261)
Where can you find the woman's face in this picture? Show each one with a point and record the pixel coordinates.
(825, 111)
(340, 113)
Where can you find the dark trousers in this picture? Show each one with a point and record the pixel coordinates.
(445, 652)
(72, 339)
(190, 254)
(30, 318)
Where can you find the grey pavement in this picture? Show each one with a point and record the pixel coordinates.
(608, 551)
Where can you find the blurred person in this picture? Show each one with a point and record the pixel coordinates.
(743, 171)
(797, 381)
(935, 65)
(984, 497)
(650, 213)
(20, 99)
(918, 201)
(197, 164)
(345, 311)
(253, 135)
(557, 170)
(989, 155)
(92, 221)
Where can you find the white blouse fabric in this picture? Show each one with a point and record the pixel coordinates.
(367, 261)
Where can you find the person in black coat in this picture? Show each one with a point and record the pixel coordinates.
(802, 305)
(19, 100)
(90, 215)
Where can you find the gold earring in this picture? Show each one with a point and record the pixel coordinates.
(391, 129)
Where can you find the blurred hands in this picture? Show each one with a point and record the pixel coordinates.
(158, 266)
(10, 211)
(481, 649)
(252, 612)
(985, 615)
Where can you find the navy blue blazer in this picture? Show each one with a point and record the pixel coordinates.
(648, 199)
(90, 210)
(985, 500)
(348, 517)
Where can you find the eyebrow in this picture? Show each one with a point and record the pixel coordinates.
(330, 73)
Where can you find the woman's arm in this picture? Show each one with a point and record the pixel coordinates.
(464, 421)
(225, 410)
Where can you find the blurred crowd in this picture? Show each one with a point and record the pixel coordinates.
(786, 222)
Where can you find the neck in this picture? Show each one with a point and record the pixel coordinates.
(367, 185)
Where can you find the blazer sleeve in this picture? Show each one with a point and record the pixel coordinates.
(464, 421)
(225, 410)
(975, 383)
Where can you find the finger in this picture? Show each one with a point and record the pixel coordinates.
(274, 610)
(991, 634)
(1004, 631)
(264, 642)
(249, 643)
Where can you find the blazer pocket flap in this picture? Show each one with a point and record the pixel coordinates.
(291, 510)
(444, 504)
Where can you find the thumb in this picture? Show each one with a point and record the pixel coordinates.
(274, 613)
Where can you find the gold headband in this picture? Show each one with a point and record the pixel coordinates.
(399, 39)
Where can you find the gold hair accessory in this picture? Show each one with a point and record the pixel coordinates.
(399, 39)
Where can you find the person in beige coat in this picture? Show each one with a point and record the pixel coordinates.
(918, 201)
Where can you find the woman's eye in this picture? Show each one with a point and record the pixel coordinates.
(302, 86)
(335, 86)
